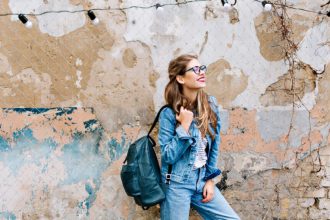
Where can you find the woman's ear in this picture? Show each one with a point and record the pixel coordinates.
(179, 79)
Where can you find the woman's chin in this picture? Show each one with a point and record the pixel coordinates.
(202, 85)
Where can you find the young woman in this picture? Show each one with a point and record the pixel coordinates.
(189, 137)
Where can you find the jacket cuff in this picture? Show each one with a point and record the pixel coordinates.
(183, 134)
(217, 172)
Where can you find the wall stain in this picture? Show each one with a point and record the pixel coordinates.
(55, 56)
(282, 92)
(92, 194)
(7, 216)
(272, 46)
(231, 81)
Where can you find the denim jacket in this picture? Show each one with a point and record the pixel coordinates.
(179, 148)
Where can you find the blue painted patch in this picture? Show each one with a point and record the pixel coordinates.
(24, 134)
(82, 158)
(32, 110)
(62, 111)
(7, 216)
(88, 202)
(4, 146)
(89, 124)
(115, 149)
(27, 150)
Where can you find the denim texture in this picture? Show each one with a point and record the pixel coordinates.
(185, 189)
(179, 197)
(179, 148)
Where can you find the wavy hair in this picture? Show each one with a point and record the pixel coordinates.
(174, 96)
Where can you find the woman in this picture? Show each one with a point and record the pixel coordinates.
(189, 137)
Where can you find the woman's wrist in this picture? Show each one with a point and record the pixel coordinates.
(186, 126)
(210, 180)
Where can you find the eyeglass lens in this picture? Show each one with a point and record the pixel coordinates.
(198, 69)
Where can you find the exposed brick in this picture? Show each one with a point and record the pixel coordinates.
(239, 194)
(313, 180)
(326, 160)
(321, 172)
(297, 182)
(305, 203)
(325, 151)
(301, 214)
(303, 171)
(327, 169)
(324, 204)
(315, 193)
(310, 180)
(323, 160)
(299, 192)
(284, 211)
(325, 182)
(318, 214)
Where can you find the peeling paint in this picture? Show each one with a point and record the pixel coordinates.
(60, 162)
(42, 170)
(79, 78)
(7, 216)
(88, 202)
(290, 88)
(232, 81)
(55, 25)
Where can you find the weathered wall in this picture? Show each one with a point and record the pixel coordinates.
(75, 95)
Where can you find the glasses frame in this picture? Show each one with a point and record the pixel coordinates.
(200, 68)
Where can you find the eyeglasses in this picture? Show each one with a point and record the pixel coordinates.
(197, 69)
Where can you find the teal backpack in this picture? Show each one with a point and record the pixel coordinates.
(140, 173)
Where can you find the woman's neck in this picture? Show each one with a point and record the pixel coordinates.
(190, 94)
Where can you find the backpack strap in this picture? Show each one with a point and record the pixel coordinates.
(157, 117)
(153, 125)
(168, 174)
(169, 171)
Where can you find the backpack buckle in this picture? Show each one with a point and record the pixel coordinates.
(167, 178)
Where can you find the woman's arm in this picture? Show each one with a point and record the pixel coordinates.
(173, 141)
(216, 142)
(212, 170)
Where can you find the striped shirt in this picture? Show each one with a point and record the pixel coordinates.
(201, 156)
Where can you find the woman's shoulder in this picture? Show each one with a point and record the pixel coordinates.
(213, 100)
(167, 112)
(214, 104)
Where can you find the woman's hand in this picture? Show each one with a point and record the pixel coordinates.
(208, 191)
(185, 118)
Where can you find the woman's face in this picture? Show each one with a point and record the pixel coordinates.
(194, 78)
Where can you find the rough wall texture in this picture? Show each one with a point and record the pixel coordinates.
(75, 95)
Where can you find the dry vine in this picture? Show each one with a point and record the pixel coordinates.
(283, 23)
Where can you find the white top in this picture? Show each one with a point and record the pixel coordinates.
(201, 156)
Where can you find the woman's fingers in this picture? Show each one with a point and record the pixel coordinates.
(185, 118)
(208, 192)
(204, 193)
(209, 197)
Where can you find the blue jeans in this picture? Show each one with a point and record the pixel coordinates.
(179, 197)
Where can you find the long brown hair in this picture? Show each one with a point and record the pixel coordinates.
(174, 96)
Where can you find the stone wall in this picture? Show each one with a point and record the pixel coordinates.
(299, 192)
(74, 96)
